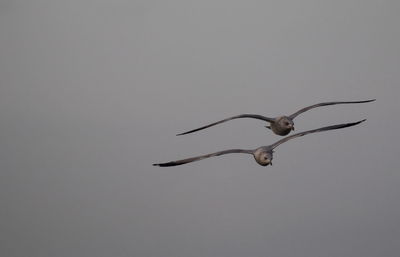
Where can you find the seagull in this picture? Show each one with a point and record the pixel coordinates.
(264, 154)
(281, 125)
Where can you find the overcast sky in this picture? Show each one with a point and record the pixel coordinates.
(93, 92)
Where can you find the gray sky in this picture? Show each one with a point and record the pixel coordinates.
(93, 92)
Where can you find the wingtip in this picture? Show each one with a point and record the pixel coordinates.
(183, 133)
(156, 164)
(358, 122)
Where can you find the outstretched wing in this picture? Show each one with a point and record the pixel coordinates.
(254, 116)
(338, 126)
(324, 104)
(201, 157)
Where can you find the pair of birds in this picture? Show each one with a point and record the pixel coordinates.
(281, 125)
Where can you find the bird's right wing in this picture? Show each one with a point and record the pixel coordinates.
(201, 157)
(338, 126)
(254, 116)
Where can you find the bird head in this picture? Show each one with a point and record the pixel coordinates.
(286, 123)
(263, 156)
(282, 125)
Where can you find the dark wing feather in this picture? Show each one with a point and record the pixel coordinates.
(201, 157)
(338, 126)
(254, 116)
(324, 104)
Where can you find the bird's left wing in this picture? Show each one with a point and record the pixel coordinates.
(338, 126)
(294, 115)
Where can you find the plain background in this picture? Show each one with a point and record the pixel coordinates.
(93, 92)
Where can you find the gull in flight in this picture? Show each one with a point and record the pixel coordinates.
(264, 154)
(281, 125)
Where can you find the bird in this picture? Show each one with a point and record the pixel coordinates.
(281, 125)
(262, 155)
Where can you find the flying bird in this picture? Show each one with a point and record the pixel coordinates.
(281, 125)
(264, 154)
